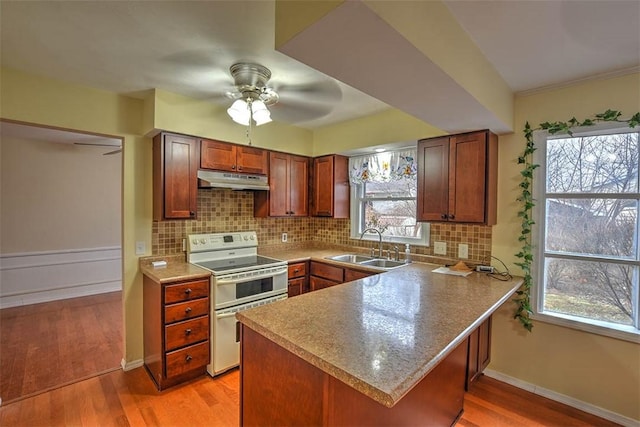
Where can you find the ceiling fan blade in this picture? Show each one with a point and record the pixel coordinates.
(113, 152)
(318, 92)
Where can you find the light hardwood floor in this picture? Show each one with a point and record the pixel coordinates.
(44, 346)
(130, 399)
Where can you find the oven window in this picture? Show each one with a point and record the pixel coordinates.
(254, 287)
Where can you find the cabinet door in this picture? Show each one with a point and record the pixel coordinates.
(433, 179)
(321, 283)
(278, 184)
(217, 155)
(175, 177)
(298, 186)
(296, 287)
(323, 186)
(467, 166)
(252, 160)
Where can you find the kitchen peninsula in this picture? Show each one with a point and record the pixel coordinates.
(389, 349)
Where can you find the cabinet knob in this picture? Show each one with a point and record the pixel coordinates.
(192, 213)
(188, 358)
(233, 167)
(187, 332)
(443, 216)
(296, 271)
(239, 168)
(452, 216)
(187, 310)
(187, 291)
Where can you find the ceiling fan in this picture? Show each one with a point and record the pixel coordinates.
(118, 147)
(292, 102)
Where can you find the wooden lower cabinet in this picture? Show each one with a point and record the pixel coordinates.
(298, 281)
(176, 326)
(313, 397)
(324, 275)
(479, 351)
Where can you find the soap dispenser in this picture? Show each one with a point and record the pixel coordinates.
(407, 254)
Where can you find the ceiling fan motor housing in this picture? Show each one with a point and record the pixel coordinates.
(251, 81)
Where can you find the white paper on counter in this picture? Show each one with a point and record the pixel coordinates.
(447, 270)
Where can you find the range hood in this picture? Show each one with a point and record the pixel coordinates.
(235, 181)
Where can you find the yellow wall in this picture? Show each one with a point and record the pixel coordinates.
(33, 99)
(382, 128)
(602, 371)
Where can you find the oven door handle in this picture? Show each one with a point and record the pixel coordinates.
(225, 315)
(222, 280)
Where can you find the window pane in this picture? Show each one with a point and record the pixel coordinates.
(593, 290)
(592, 226)
(392, 217)
(399, 188)
(593, 164)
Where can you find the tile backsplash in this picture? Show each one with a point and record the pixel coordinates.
(222, 210)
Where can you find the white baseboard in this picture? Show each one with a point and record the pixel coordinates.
(567, 400)
(35, 277)
(128, 366)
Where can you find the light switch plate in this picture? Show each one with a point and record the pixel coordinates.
(440, 248)
(284, 237)
(463, 251)
(141, 248)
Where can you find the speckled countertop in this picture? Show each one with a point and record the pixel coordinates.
(384, 333)
(177, 269)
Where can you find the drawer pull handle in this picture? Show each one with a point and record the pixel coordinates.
(187, 310)
(187, 332)
(188, 358)
(187, 291)
(296, 271)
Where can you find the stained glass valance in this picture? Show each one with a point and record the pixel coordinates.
(383, 167)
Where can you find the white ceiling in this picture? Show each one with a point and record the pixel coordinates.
(187, 47)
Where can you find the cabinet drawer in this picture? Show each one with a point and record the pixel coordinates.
(186, 291)
(186, 310)
(327, 271)
(186, 359)
(299, 269)
(185, 333)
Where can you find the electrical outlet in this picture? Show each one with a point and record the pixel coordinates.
(284, 237)
(463, 251)
(440, 248)
(141, 248)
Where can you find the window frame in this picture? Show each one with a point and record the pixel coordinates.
(540, 195)
(357, 201)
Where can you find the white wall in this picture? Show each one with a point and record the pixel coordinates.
(60, 221)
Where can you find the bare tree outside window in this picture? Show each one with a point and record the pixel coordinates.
(591, 227)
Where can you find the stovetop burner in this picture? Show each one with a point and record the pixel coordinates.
(223, 265)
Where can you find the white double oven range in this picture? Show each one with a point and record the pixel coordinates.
(240, 279)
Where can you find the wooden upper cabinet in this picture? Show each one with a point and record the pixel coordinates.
(457, 178)
(288, 187)
(330, 187)
(229, 157)
(175, 184)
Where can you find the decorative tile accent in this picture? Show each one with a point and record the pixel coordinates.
(222, 210)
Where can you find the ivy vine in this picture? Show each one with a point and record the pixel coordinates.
(525, 255)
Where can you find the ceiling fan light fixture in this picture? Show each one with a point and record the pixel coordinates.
(239, 112)
(260, 113)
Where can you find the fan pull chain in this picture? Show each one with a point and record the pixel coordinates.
(250, 120)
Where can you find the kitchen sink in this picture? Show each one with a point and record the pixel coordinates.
(383, 263)
(352, 258)
(387, 264)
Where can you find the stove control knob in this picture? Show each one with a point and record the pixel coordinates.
(194, 241)
(246, 237)
(203, 241)
(253, 237)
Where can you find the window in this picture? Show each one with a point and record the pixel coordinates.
(587, 231)
(383, 196)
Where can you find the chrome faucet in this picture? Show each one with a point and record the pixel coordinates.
(379, 238)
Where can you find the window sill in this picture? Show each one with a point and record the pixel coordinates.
(621, 332)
